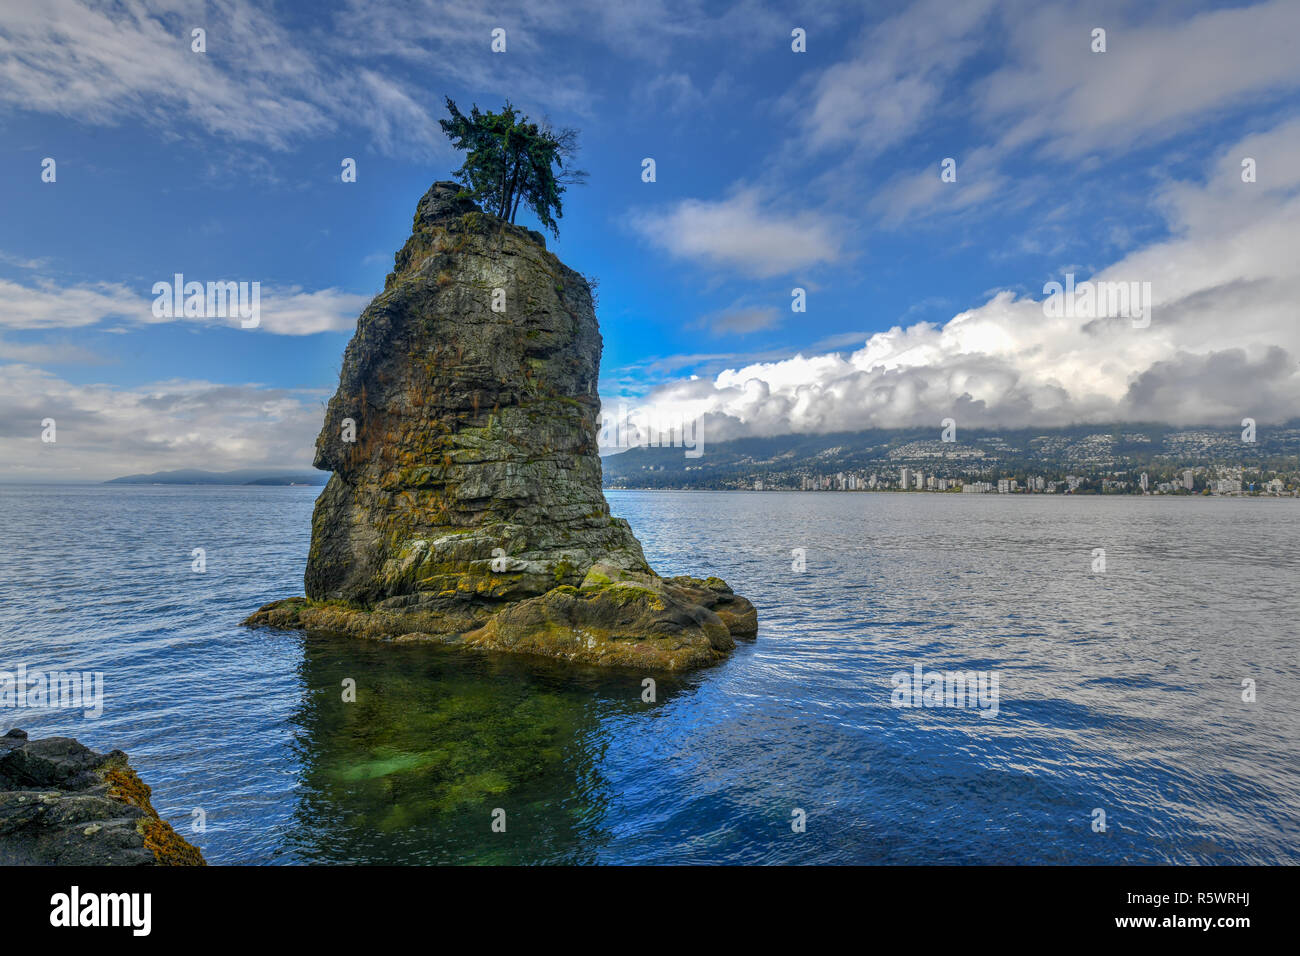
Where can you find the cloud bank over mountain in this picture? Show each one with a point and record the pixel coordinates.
(1223, 339)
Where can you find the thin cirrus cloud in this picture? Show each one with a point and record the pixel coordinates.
(45, 304)
(258, 81)
(1154, 80)
(263, 81)
(884, 93)
(104, 64)
(49, 353)
(740, 319)
(1048, 98)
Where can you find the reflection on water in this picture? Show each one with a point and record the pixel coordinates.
(439, 740)
(1118, 691)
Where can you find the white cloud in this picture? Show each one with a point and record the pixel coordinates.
(1154, 79)
(21, 262)
(47, 305)
(911, 194)
(269, 82)
(294, 312)
(1223, 341)
(258, 82)
(48, 353)
(1165, 72)
(738, 233)
(284, 311)
(104, 63)
(883, 94)
(104, 431)
(741, 319)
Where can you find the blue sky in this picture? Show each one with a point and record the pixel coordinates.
(775, 170)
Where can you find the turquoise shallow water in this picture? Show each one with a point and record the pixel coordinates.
(1118, 691)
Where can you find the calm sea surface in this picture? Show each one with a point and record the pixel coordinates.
(1119, 691)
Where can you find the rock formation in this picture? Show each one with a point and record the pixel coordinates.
(63, 804)
(465, 504)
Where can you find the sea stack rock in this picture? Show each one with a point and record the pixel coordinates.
(465, 504)
(62, 804)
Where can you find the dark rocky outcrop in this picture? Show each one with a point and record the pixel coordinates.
(63, 804)
(468, 508)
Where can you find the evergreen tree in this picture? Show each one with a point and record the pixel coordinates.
(511, 160)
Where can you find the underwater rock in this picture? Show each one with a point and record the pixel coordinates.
(62, 803)
(465, 504)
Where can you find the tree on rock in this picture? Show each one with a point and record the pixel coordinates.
(511, 160)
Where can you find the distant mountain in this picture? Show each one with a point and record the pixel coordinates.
(242, 476)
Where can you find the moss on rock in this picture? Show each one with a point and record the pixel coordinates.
(469, 505)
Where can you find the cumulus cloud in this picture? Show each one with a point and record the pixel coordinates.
(105, 431)
(741, 233)
(1223, 341)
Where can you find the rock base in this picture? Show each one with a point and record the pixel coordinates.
(615, 618)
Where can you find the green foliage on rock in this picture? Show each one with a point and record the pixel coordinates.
(511, 160)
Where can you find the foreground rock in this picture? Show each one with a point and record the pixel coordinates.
(63, 804)
(465, 504)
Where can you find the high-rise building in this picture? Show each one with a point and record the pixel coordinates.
(905, 478)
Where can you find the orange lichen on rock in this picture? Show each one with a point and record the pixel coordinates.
(62, 803)
(168, 847)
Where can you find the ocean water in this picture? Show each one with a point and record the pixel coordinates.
(1118, 691)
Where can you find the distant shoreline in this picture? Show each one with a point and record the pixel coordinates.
(959, 494)
(242, 476)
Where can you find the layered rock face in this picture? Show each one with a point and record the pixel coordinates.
(465, 503)
(63, 804)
